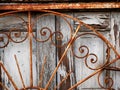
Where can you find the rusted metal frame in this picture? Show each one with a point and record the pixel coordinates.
(107, 79)
(100, 35)
(112, 68)
(77, 20)
(97, 33)
(92, 5)
(90, 27)
(30, 43)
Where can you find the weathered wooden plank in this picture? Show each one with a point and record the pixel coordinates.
(46, 49)
(20, 50)
(81, 69)
(65, 26)
(13, 22)
(115, 40)
(99, 20)
(1, 72)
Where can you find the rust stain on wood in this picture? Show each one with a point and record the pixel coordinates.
(119, 39)
(115, 31)
(0, 78)
(60, 51)
(1, 39)
(93, 5)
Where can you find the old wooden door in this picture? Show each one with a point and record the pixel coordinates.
(54, 51)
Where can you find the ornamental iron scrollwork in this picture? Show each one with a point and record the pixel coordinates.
(45, 34)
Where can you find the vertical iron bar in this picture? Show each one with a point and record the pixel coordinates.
(30, 42)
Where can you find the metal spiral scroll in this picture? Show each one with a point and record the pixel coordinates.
(14, 32)
(45, 34)
(107, 80)
(84, 49)
(4, 39)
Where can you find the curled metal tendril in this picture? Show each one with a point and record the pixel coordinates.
(57, 35)
(45, 31)
(93, 59)
(4, 39)
(15, 34)
(108, 80)
(83, 50)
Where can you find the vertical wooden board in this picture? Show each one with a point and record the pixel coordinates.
(22, 53)
(65, 26)
(21, 50)
(12, 22)
(101, 22)
(46, 49)
(81, 70)
(115, 40)
(1, 59)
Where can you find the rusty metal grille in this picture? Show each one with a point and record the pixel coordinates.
(7, 37)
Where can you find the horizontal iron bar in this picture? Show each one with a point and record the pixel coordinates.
(112, 68)
(53, 1)
(92, 5)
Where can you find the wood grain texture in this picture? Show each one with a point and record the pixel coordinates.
(46, 49)
(1, 73)
(13, 21)
(81, 71)
(115, 40)
(99, 20)
(67, 64)
(10, 64)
